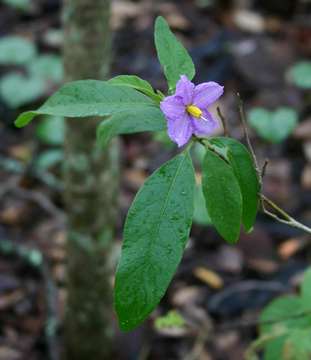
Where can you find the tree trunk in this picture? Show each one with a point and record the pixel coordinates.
(91, 181)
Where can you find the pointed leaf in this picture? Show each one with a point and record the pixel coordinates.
(222, 196)
(244, 170)
(174, 58)
(155, 235)
(149, 119)
(136, 83)
(89, 98)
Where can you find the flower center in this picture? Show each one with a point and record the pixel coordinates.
(194, 111)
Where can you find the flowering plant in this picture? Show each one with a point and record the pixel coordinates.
(159, 221)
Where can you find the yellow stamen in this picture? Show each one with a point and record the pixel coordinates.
(194, 111)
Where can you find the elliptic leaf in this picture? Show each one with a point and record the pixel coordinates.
(149, 119)
(89, 98)
(174, 58)
(222, 196)
(136, 83)
(244, 170)
(155, 234)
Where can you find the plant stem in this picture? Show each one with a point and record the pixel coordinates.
(287, 219)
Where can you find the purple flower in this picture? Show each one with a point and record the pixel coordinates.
(186, 111)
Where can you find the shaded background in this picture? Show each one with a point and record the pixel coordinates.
(259, 48)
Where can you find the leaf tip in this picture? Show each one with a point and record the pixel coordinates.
(24, 119)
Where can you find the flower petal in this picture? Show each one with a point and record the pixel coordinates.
(173, 107)
(180, 130)
(185, 89)
(207, 93)
(202, 127)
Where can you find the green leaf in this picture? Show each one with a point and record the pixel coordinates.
(15, 50)
(17, 90)
(51, 130)
(149, 119)
(47, 67)
(298, 345)
(200, 214)
(244, 170)
(283, 311)
(89, 98)
(155, 235)
(222, 196)
(273, 126)
(300, 74)
(171, 320)
(274, 348)
(136, 83)
(174, 58)
(306, 289)
(19, 4)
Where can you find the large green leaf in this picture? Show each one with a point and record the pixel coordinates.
(222, 196)
(15, 50)
(136, 83)
(172, 55)
(89, 98)
(285, 313)
(244, 169)
(274, 126)
(149, 119)
(155, 234)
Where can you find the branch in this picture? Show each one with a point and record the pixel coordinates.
(287, 219)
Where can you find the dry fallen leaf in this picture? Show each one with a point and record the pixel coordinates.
(209, 277)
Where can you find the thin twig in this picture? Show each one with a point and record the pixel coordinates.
(249, 144)
(264, 168)
(287, 219)
(223, 121)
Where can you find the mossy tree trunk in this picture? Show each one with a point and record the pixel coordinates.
(91, 181)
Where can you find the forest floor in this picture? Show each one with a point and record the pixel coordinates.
(219, 289)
